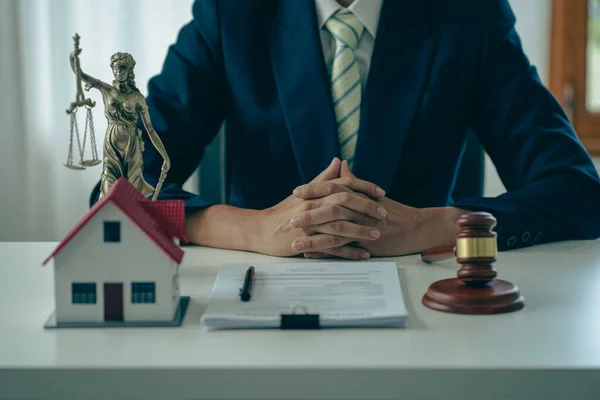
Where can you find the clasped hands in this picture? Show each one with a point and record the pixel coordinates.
(339, 215)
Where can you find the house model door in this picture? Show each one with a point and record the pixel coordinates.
(113, 302)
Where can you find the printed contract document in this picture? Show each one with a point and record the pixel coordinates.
(342, 294)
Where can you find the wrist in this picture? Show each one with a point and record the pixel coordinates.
(437, 227)
(253, 231)
(224, 226)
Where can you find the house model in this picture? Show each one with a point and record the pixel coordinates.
(119, 265)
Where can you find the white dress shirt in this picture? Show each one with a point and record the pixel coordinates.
(367, 12)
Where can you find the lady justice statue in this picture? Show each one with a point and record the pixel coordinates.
(123, 144)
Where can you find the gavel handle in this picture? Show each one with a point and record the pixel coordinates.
(437, 254)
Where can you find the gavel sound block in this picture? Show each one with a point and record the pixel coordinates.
(476, 289)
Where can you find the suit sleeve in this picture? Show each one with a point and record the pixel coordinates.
(553, 189)
(187, 103)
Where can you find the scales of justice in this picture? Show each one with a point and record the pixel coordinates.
(123, 144)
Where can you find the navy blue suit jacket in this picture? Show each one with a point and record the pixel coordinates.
(439, 67)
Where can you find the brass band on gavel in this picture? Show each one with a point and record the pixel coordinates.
(476, 247)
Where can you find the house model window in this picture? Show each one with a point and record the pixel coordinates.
(112, 231)
(83, 293)
(143, 292)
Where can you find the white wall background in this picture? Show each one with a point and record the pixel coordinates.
(39, 198)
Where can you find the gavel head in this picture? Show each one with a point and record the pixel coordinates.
(476, 248)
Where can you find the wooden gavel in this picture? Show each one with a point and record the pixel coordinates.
(475, 290)
(475, 249)
(438, 254)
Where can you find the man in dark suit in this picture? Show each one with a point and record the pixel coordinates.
(390, 87)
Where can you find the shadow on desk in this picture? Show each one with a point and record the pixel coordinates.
(195, 310)
(414, 322)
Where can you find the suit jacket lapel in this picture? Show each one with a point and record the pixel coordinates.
(400, 65)
(303, 85)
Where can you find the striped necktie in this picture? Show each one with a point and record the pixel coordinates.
(346, 86)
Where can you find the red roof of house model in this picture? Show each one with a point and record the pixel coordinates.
(161, 220)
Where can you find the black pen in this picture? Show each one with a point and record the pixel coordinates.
(245, 290)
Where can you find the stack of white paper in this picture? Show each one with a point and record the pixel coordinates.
(343, 294)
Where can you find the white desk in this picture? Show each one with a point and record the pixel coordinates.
(549, 350)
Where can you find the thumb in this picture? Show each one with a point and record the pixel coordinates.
(331, 172)
(345, 170)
